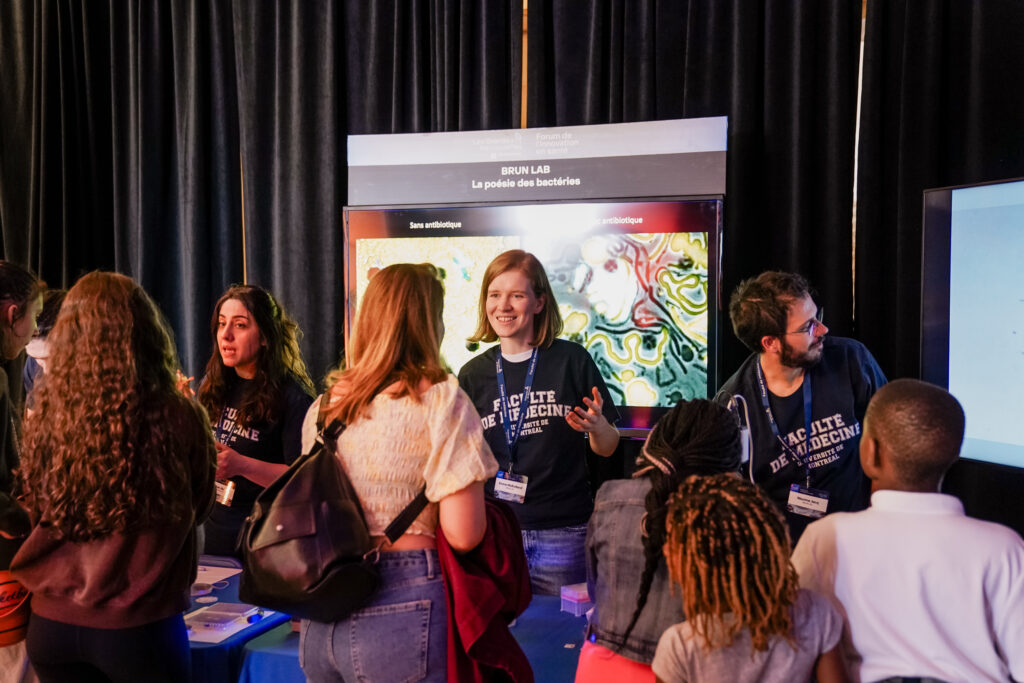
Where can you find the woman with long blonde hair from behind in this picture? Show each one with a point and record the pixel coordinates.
(116, 473)
(408, 424)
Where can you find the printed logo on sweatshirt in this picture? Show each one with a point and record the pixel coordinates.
(542, 407)
(229, 431)
(828, 438)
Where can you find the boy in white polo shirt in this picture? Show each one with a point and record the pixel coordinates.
(925, 590)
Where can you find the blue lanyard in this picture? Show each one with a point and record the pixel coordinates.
(512, 433)
(219, 432)
(804, 461)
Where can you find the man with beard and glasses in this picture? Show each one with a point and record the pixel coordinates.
(804, 396)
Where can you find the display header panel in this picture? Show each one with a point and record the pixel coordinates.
(636, 282)
(671, 158)
(973, 312)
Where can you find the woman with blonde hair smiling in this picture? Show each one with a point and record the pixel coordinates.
(117, 471)
(408, 425)
(546, 406)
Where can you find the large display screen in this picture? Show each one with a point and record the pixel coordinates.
(636, 282)
(973, 314)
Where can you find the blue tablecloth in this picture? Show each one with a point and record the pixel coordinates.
(221, 662)
(550, 638)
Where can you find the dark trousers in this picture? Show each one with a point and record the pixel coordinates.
(157, 652)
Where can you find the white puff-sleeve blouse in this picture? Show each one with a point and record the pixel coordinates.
(401, 443)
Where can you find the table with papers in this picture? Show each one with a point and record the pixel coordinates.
(220, 625)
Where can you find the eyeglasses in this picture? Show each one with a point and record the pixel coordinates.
(811, 326)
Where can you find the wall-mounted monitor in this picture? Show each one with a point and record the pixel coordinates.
(636, 282)
(972, 326)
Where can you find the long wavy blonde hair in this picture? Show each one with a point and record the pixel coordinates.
(107, 444)
(396, 340)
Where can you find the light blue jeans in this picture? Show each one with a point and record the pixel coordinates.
(556, 557)
(402, 635)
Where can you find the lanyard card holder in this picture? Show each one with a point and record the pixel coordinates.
(807, 502)
(510, 487)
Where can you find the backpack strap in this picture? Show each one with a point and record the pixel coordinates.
(321, 414)
(400, 524)
(407, 516)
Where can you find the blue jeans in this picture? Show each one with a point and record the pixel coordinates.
(402, 635)
(556, 557)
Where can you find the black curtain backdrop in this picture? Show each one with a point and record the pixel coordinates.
(130, 129)
(290, 59)
(311, 73)
(55, 161)
(176, 175)
(119, 150)
(433, 65)
(943, 104)
(785, 73)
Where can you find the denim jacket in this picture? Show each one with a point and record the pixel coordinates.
(615, 563)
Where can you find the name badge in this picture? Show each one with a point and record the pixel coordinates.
(807, 501)
(225, 491)
(510, 487)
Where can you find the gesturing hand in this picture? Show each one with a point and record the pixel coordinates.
(587, 420)
(184, 384)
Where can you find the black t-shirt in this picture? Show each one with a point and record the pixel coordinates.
(550, 452)
(841, 386)
(279, 441)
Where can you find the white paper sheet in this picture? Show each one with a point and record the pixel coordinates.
(211, 575)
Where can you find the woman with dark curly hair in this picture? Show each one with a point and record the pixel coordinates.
(625, 565)
(257, 391)
(116, 473)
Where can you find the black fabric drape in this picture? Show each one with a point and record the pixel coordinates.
(176, 176)
(312, 72)
(943, 104)
(785, 73)
(433, 65)
(119, 150)
(291, 118)
(119, 144)
(55, 163)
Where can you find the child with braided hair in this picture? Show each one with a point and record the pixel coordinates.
(625, 566)
(727, 548)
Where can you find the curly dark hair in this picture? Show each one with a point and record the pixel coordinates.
(106, 445)
(728, 549)
(759, 306)
(695, 437)
(278, 361)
